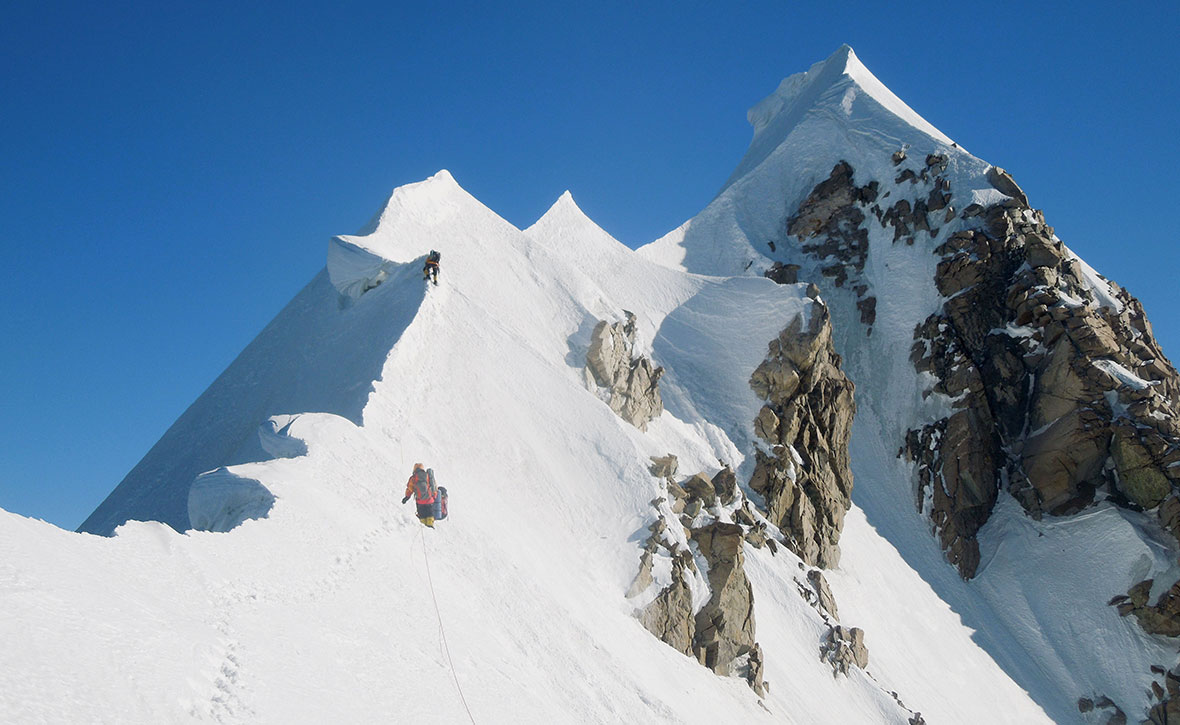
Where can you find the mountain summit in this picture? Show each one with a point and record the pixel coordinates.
(862, 441)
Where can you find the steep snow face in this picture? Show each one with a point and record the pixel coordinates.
(840, 86)
(338, 604)
(1058, 639)
(313, 357)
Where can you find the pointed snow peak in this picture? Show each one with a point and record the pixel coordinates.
(564, 212)
(565, 206)
(833, 82)
(823, 103)
(435, 213)
(566, 225)
(435, 190)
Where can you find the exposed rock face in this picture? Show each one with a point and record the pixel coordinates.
(782, 273)
(1056, 385)
(1163, 617)
(830, 227)
(844, 647)
(725, 485)
(669, 616)
(913, 210)
(827, 601)
(1167, 710)
(633, 381)
(700, 487)
(725, 625)
(664, 466)
(806, 481)
(721, 635)
(1006, 185)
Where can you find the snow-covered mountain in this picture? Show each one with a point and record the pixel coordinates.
(547, 379)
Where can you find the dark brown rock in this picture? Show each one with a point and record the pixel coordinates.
(780, 273)
(725, 485)
(1035, 407)
(830, 223)
(824, 596)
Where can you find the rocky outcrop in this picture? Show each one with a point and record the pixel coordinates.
(632, 381)
(823, 593)
(804, 478)
(664, 466)
(1006, 185)
(725, 625)
(920, 205)
(1166, 710)
(1055, 382)
(1162, 618)
(721, 634)
(843, 648)
(669, 616)
(830, 227)
(780, 273)
(724, 484)
(1104, 704)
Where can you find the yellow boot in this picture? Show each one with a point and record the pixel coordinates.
(428, 521)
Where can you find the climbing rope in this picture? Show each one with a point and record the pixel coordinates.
(443, 633)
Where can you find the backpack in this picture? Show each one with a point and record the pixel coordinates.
(424, 490)
(434, 256)
(440, 503)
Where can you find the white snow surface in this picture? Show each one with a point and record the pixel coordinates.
(325, 607)
(1055, 636)
(330, 602)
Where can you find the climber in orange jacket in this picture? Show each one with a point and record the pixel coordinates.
(421, 486)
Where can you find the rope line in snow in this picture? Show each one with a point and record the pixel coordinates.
(443, 633)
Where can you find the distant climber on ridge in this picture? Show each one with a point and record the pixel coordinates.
(421, 486)
(430, 269)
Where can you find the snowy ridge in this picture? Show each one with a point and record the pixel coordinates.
(330, 370)
(796, 93)
(316, 605)
(548, 500)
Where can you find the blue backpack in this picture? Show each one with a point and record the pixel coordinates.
(440, 504)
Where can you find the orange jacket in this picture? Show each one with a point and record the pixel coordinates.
(427, 495)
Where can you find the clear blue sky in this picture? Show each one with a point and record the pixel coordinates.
(170, 172)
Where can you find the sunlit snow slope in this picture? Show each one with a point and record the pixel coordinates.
(330, 602)
(1036, 604)
(325, 609)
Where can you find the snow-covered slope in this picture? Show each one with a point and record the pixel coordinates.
(1038, 604)
(326, 607)
(326, 599)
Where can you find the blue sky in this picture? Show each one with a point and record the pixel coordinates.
(170, 172)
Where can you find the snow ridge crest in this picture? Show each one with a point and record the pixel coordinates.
(797, 93)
